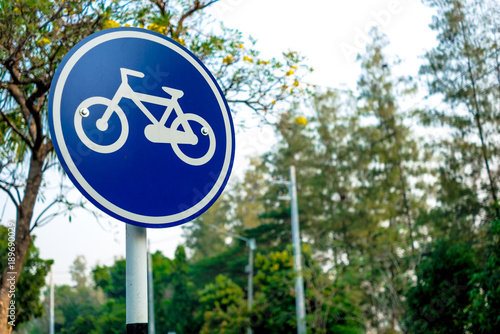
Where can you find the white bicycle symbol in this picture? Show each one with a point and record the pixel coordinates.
(157, 132)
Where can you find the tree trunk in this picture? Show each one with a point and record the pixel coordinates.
(12, 271)
(477, 118)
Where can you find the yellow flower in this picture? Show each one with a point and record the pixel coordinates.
(301, 120)
(157, 28)
(273, 101)
(296, 83)
(17, 10)
(240, 46)
(43, 41)
(178, 40)
(127, 25)
(248, 59)
(227, 60)
(294, 67)
(110, 24)
(289, 73)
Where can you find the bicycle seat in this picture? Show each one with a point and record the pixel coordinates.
(175, 93)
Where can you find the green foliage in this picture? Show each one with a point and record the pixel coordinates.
(112, 317)
(76, 308)
(333, 303)
(274, 297)
(485, 294)
(223, 293)
(223, 308)
(111, 279)
(176, 312)
(374, 194)
(200, 236)
(41, 32)
(464, 68)
(360, 180)
(32, 280)
(440, 301)
(37, 34)
(249, 195)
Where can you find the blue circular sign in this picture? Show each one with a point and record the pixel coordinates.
(141, 127)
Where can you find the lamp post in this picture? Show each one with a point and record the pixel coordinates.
(251, 247)
(51, 302)
(299, 283)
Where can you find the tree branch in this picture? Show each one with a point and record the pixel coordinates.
(197, 6)
(11, 196)
(16, 129)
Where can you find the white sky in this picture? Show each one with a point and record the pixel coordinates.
(319, 30)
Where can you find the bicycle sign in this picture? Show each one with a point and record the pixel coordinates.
(156, 132)
(141, 127)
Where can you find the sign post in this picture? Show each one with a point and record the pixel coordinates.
(151, 300)
(136, 280)
(143, 130)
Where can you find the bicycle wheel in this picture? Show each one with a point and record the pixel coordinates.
(211, 137)
(97, 133)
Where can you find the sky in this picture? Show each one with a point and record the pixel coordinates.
(329, 33)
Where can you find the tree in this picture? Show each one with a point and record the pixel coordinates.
(249, 196)
(331, 304)
(35, 37)
(387, 203)
(177, 310)
(440, 301)
(485, 294)
(274, 297)
(26, 291)
(333, 299)
(223, 308)
(75, 306)
(200, 236)
(463, 68)
(111, 279)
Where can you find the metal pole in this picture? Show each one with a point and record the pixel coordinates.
(136, 280)
(251, 247)
(51, 303)
(299, 283)
(151, 294)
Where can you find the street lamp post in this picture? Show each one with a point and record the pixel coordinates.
(299, 283)
(251, 247)
(251, 244)
(51, 302)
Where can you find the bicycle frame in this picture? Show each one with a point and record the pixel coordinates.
(157, 131)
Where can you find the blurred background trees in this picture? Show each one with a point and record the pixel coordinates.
(398, 194)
